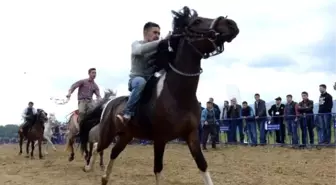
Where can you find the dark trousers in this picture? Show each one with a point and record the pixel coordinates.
(218, 132)
(307, 127)
(280, 135)
(324, 131)
(209, 129)
(262, 130)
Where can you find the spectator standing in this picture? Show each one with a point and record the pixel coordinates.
(335, 86)
(234, 114)
(209, 125)
(305, 109)
(261, 117)
(224, 117)
(291, 117)
(248, 116)
(324, 118)
(277, 112)
(200, 130)
(217, 116)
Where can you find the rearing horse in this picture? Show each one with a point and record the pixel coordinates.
(169, 107)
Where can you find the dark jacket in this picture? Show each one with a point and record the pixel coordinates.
(325, 103)
(248, 113)
(260, 108)
(234, 112)
(277, 113)
(217, 111)
(291, 110)
(306, 107)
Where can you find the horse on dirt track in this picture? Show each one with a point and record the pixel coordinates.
(34, 133)
(73, 126)
(48, 133)
(169, 107)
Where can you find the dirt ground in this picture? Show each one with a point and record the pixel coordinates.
(233, 165)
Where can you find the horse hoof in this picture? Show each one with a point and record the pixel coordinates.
(27, 156)
(41, 157)
(102, 167)
(71, 158)
(20, 153)
(86, 168)
(32, 157)
(104, 181)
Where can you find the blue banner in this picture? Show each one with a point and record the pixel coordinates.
(335, 123)
(224, 128)
(272, 126)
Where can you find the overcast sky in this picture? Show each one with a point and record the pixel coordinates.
(283, 47)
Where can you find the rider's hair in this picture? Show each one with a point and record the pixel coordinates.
(91, 69)
(149, 25)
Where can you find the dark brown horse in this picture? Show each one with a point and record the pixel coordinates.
(169, 107)
(34, 133)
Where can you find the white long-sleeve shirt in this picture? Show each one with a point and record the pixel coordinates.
(25, 112)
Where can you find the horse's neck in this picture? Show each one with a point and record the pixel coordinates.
(183, 88)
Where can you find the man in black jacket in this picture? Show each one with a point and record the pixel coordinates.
(324, 118)
(217, 116)
(306, 112)
(261, 117)
(234, 114)
(277, 112)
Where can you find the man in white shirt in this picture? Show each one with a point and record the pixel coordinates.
(28, 116)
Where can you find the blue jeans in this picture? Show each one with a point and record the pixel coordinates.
(252, 131)
(294, 131)
(262, 130)
(324, 128)
(136, 85)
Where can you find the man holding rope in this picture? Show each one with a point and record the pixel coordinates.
(86, 89)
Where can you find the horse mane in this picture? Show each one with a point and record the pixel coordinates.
(181, 18)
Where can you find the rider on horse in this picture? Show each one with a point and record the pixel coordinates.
(86, 89)
(28, 117)
(142, 67)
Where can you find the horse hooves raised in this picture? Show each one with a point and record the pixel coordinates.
(104, 181)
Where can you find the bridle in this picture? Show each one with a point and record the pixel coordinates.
(191, 35)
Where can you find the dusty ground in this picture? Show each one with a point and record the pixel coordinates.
(232, 165)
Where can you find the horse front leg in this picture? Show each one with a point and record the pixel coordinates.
(72, 152)
(20, 144)
(32, 150)
(159, 148)
(116, 150)
(89, 162)
(101, 160)
(27, 148)
(40, 148)
(195, 150)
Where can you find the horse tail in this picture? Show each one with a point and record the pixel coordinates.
(91, 119)
(108, 128)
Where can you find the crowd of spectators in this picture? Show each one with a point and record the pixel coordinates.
(287, 119)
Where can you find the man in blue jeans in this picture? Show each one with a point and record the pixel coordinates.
(261, 117)
(248, 116)
(324, 117)
(142, 67)
(291, 117)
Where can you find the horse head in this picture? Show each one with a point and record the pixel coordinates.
(41, 116)
(206, 35)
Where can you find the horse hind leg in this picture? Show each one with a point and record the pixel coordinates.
(195, 150)
(27, 148)
(116, 150)
(159, 148)
(20, 143)
(32, 150)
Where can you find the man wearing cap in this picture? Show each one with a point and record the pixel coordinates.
(277, 112)
(28, 116)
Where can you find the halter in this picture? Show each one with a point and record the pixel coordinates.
(191, 35)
